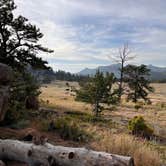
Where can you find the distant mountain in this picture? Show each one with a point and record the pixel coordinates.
(114, 68)
(157, 73)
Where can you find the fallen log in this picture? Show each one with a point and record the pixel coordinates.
(49, 155)
(2, 163)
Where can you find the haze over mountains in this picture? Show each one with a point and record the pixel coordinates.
(157, 73)
(45, 76)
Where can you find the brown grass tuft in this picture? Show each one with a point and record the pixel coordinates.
(128, 145)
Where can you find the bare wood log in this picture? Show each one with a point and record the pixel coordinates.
(2, 163)
(49, 155)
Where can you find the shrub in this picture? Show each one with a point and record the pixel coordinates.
(69, 129)
(23, 86)
(81, 116)
(139, 105)
(44, 125)
(138, 127)
(21, 124)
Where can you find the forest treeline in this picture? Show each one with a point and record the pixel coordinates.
(67, 76)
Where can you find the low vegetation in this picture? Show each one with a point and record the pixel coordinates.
(138, 127)
(123, 144)
(110, 130)
(70, 130)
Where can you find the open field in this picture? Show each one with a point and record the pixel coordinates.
(75, 125)
(155, 114)
(111, 133)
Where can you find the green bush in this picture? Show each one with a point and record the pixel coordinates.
(23, 86)
(21, 124)
(15, 113)
(68, 129)
(44, 125)
(139, 105)
(138, 127)
(80, 116)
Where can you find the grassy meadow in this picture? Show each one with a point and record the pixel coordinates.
(109, 132)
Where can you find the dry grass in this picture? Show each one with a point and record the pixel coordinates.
(127, 145)
(59, 98)
(110, 138)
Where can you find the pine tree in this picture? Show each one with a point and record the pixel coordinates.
(19, 39)
(137, 79)
(98, 91)
(19, 49)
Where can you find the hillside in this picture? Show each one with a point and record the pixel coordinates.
(157, 73)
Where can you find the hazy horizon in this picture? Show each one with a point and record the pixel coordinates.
(84, 33)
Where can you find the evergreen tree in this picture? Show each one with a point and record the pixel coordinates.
(19, 39)
(19, 48)
(23, 86)
(98, 91)
(137, 79)
(67, 76)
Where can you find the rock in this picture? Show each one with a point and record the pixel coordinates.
(6, 77)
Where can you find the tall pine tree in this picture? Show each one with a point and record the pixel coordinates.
(19, 39)
(19, 48)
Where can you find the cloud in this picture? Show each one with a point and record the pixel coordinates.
(84, 33)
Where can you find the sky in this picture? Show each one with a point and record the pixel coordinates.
(85, 33)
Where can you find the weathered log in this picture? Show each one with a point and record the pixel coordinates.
(49, 155)
(2, 163)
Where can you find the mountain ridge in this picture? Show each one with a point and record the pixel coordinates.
(157, 73)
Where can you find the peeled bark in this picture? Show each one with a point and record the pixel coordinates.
(49, 155)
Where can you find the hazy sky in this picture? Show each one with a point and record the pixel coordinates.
(83, 33)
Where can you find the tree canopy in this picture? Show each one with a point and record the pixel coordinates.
(97, 91)
(138, 82)
(19, 39)
(19, 49)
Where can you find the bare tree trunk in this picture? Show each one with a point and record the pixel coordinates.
(2, 163)
(121, 80)
(49, 155)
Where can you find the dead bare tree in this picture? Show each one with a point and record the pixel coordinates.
(124, 55)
